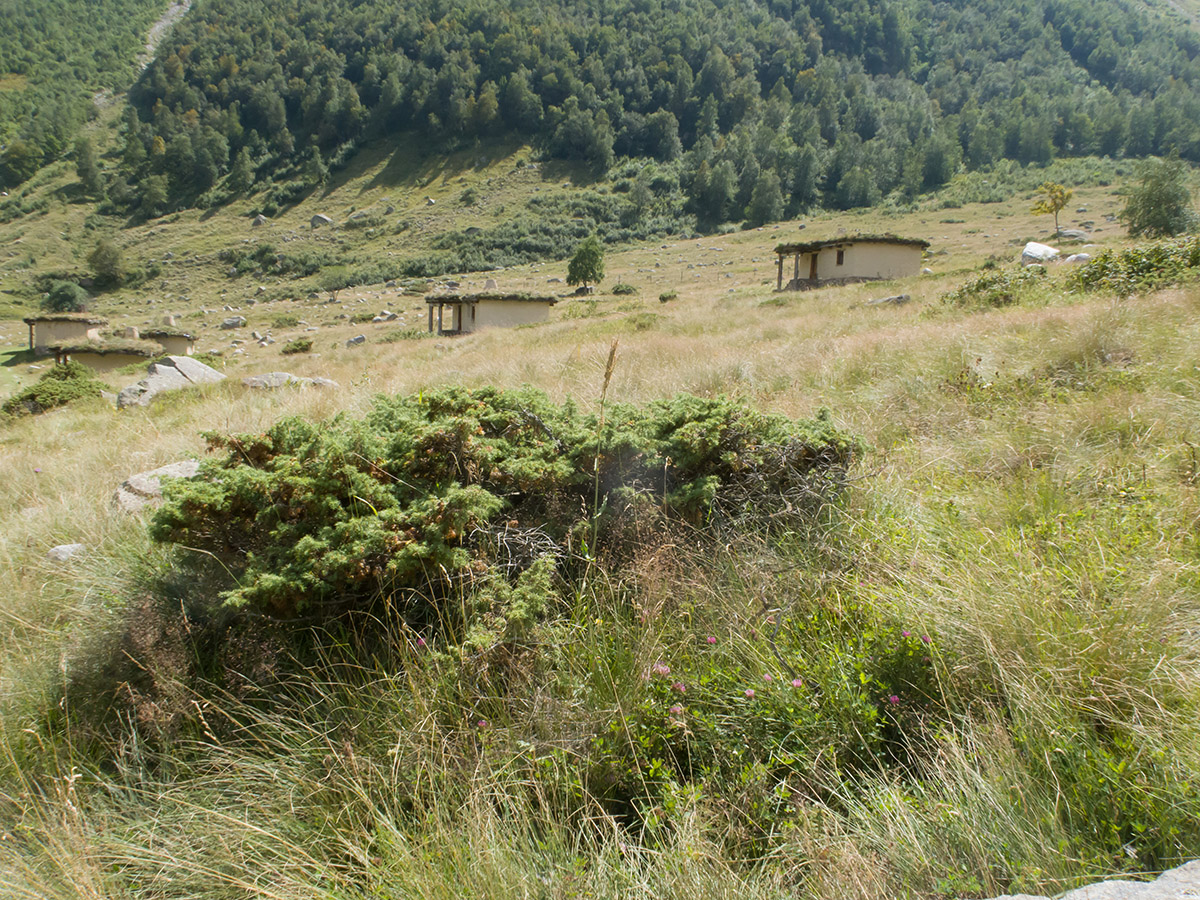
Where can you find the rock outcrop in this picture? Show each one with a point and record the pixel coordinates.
(145, 488)
(169, 374)
(272, 381)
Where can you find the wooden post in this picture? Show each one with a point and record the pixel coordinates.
(431, 318)
(30, 335)
(796, 270)
(779, 276)
(440, 305)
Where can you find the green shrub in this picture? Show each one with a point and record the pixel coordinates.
(403, 334)
(995, 288)
(65, 296)
(285, 320)
(668, 296)
(622, 288)
(401, 503)
(58, 387)
(1139, 268)
(299, 345)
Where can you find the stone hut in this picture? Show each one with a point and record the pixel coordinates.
(58, 328)
(464, 313)
(176, 343)
(849, 259)
(105, 356)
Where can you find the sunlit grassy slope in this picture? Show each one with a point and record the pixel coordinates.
(1024, 516)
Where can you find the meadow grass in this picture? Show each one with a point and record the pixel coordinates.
(1027, 503)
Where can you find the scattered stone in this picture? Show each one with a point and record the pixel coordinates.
(254, 335)
(356, 340)
(927, 271)
(553, 281)
(259, 291)
(389, 210)
(233, 322)
(168, 321)
(896, 300)
(1074, 234)
(490, 284)
(1078, 258)
(272, 381)
(259, 220)
(1037, 253)
(145, 488)
(320, 219)
(584, 290)
(429, 201)
(64, 552)
(131, 333)
(169, 374)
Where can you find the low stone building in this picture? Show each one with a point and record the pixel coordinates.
(176, 343)
(105, 356)
(464, 313)
(49, 329)
(849, 259)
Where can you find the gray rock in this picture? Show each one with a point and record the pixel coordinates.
(64, 552)
(1073, 234)
(272, 381)
(897, 300)
(259, 220)
(1078, 258)
(168, 374)
(1182, 883)
(356, 340)
(145, 488)
(233, 322)
(320, 219)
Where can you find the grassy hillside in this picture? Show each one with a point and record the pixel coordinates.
(990, 625)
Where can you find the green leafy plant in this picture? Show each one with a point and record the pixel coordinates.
(1161, 204)
(995, 288)
(587, 265)
(299, 345)
(65, 296)
(1139, 268)
(623, 289)
(401, 503)
(58, 387)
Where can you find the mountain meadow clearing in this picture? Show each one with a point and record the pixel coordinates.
(695, 590)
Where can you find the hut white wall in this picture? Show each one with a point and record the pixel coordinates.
(508, 314)
(868, 261)
(46, 334)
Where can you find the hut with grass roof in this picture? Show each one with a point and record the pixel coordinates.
(464, 313)
(49, 329)
(106, 356)
(175, 342)
(845, 260)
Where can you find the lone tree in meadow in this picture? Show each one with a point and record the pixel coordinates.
(587, 265)
(1052, 199)
(1161, 204)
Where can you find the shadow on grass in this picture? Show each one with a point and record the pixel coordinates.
(13, 357)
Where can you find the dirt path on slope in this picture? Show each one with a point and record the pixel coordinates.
(159, 30)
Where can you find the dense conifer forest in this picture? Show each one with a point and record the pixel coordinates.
(53, 56)
(761, 109)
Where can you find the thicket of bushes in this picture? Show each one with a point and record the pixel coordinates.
(411, 499)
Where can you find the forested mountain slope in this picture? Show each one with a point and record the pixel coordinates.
(53, 55)
(770, 106)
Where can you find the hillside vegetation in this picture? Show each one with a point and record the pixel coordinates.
(437, 631)
(53, 58)
(769, 108)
